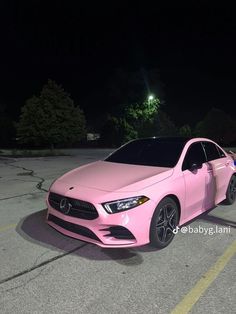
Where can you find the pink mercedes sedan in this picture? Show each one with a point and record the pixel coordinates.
(142, 191)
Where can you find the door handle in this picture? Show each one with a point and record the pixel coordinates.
(209, 168)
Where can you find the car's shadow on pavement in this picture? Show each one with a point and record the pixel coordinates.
(218, 221)
(34, 228)
(206, 217)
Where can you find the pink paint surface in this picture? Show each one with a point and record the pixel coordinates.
(104, 181)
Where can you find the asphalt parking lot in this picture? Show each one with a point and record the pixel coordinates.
(43, 271)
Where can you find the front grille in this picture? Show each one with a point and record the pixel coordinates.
(81, 230)
(79, 209)
(119, 232)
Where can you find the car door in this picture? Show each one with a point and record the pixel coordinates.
(219, 165)
(196, 181)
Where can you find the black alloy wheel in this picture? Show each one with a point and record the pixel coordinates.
(231, 191)
(164, 222)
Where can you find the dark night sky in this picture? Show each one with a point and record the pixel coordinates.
(80, 45)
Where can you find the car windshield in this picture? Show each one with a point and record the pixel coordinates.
(157, 152)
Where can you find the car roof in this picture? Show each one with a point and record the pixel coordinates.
(177, 139)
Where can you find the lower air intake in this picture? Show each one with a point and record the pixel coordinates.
(119, 232)
(81, 230)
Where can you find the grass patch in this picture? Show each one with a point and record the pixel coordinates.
(29, 173)
(31, 153)
(227, 149)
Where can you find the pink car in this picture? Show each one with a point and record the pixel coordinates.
(141, 192)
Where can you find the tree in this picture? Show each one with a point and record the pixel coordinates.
(140, 120)
(117, 131)
(163, 126)
(160, 125)
(185, 130)
(125, 88)
(143, 111)
(132, 113)
(141, 115)
(218, 126)
(50, 119)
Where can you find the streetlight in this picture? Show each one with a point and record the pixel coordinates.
(150, 97)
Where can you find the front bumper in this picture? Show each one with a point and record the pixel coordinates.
(126, 229)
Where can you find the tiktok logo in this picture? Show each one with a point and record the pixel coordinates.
(176, 230)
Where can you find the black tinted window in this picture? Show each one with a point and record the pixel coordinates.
(149, 152)
(194, 155)
(211, 151)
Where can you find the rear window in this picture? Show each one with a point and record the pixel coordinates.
(211, 150)
(221, 153)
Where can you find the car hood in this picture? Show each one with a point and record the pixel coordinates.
(110, 177)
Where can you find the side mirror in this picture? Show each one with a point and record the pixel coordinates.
(195, 166)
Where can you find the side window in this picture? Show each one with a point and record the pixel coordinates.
(195, 154)
(211, 151)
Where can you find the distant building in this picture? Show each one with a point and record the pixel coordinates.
(93, 136)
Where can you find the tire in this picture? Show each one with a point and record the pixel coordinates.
(231, 191)
(164, 221)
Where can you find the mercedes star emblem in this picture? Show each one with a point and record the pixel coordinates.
(65, 206)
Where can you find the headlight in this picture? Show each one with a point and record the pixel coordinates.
(124, 204)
